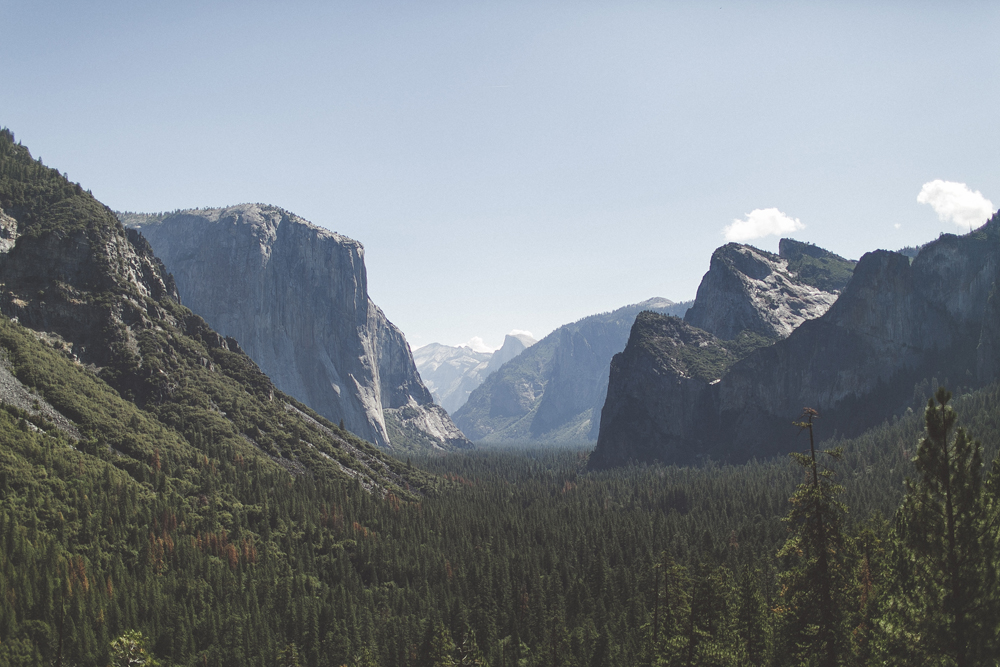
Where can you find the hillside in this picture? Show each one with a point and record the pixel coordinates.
(94, 290)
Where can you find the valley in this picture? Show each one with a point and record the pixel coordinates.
(215, 449)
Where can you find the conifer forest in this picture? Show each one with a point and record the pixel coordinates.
(878, 550)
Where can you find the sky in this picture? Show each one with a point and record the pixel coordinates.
(520, 165)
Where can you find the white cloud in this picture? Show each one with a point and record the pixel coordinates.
(761, 222)
(519, 332)
(478, 345)
(955, 202)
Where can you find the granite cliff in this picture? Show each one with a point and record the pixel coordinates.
(747, 289)
(295, 296)
(554, 390)
(655, 392)
(895, 324)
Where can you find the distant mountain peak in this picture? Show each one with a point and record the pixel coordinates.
(453, 372)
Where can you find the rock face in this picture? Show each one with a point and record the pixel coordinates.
(656, 388)
(554, 390)
(894, 325)
(453, 372)
(295, 296)
(91, 284)
(747, 289)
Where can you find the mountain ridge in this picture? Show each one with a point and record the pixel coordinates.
(895, 324)
(453, 372)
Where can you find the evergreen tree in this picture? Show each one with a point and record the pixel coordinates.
(438, 649)
(943, 607)
(289, 656)
(868, 590)
(365, 658)
(469, 654)
(813, 587)
(751, 619)
(672, 614)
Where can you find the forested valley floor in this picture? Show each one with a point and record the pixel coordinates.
(511, 557)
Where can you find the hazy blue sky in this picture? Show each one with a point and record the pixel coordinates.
(519, 165)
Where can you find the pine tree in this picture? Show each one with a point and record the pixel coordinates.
(943, 603)
(289, 656)
(469, 654)
(813, 588)
(438, 649)
(672, 613)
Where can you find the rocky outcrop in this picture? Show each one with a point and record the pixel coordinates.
(92, 285)
(747, 289)
(295, 296)
(554, 390)
(894, 325)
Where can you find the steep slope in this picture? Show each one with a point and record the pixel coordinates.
(296, 297)
(175, 389)
(656, 385)
(747, 289)
(554, 390)
(895, 325)
(453, 372)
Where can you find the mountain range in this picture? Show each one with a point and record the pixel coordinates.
(554, 390)
(681, 394)
(451, 372)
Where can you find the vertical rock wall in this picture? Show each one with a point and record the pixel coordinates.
(296, 298)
